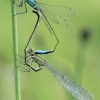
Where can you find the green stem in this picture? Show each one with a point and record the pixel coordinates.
(15, 51)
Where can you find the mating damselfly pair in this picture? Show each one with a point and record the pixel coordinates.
(58, 15)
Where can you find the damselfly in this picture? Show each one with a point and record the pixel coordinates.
(55, 13)
(76, 90)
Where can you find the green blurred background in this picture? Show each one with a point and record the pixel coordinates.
(77, 55)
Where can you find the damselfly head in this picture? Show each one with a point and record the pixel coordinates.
(30, 51)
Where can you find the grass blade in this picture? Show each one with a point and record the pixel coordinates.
(15, 51)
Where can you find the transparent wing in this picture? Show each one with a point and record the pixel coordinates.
(56, 19)
(57, 14)
(58, 10)
(77, 91)
(47, 24)
(50, 16)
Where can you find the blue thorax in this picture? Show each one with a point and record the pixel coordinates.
(32, 3)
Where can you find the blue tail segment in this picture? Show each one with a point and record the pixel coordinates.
(43, 51)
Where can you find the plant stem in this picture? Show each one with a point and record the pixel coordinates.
(15, 51)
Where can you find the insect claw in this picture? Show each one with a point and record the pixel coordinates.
(21, 62)
(24, 69)
(21, 56)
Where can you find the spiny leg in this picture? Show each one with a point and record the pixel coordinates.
(36, 26)
(24, 11)
(27, 70)
(23, 57)
(20, 5)
(28, 58)
(24, 69)
(31, 66)
(26, 63)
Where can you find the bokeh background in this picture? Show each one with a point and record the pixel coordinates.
(77, 55)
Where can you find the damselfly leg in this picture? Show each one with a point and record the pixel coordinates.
(30, 59)
(20, 5)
